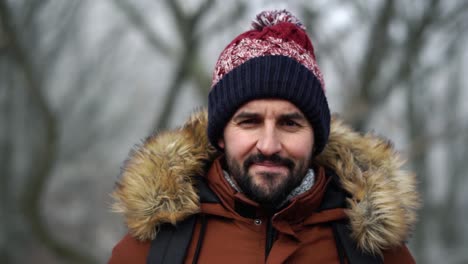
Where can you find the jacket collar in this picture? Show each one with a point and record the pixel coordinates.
(156, 182)
(237, 204)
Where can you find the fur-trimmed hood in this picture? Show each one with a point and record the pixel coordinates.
(155, 185)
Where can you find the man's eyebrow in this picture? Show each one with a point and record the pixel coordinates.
(294, 115)
(245, 115)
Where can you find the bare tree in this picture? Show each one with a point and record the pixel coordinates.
(24, 55)
(187, 58)
(5, 163)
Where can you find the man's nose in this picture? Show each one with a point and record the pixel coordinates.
(268, 142)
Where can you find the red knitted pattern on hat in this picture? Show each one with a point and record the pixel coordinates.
(284, 39)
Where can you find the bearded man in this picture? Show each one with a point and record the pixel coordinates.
(266, 175)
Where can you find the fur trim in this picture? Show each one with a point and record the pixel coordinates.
(384, 198)
(155, 185)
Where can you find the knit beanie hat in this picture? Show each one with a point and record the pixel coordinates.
(275, 59)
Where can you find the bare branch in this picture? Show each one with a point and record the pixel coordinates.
(201, 78)
(95, 65)
(413, 47)
(378, 45)
(203, 9)
(180, 18)
(62, 35)
(420, 144)
(327, 46)
(136, 18)
(457, 165)
(187, 59)
(227, 19)
(176, 9)
(44, 162)
(457, 12)
(93, 70)
(6, 158)
(33, 8)
(361, 8)
(416, 131)
(174, 89)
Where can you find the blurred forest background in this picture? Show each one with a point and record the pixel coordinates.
(82, 81)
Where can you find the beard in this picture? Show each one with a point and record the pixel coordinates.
(275, 187)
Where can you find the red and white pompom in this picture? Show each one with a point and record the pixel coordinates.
(270, 18)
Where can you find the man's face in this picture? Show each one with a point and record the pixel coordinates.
(268, 146)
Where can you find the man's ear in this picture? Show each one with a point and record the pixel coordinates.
(221, 143)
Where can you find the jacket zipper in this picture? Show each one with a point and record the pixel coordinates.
(270, 237)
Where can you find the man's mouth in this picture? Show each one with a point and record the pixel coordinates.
(268, 164)
(273, 164)
(271, 167)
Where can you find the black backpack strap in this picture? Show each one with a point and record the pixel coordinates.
(345, 244)
(335, 197)
(339, 246)
(204, 192)
(171, 243)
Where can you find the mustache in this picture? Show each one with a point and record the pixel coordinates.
(275, 159)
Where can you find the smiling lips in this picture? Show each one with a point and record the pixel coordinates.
(267, 166)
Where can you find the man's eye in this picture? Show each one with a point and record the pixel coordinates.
(248, 121)
(290, 123)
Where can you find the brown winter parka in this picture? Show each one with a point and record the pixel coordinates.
(158, 186)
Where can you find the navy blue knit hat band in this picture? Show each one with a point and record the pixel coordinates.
(273, 76)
